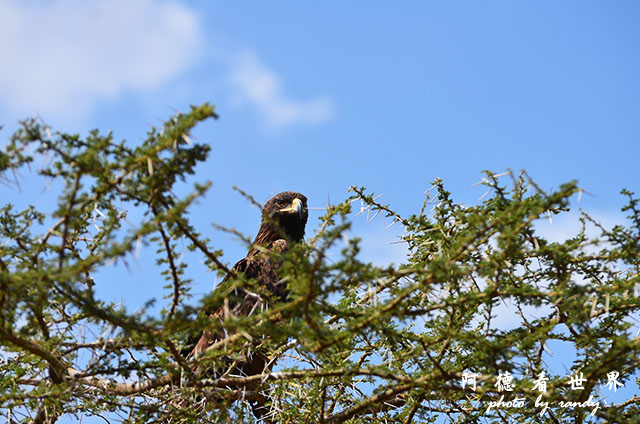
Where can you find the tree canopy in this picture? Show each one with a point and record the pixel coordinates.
(354, 342)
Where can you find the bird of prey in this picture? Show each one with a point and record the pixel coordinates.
(283, 222)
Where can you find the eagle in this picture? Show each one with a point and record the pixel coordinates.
(284, 218)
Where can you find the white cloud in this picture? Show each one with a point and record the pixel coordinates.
(60, 57)
(566, 225)
(255, 85)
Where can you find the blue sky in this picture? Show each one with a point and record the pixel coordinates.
(389, 96)
(316, 97)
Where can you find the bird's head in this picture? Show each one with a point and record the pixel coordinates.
(285, 214)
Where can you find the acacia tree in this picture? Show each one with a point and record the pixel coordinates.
(354, 342)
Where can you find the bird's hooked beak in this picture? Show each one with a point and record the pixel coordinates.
(296, 207)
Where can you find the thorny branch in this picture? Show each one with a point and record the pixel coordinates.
(388, 342)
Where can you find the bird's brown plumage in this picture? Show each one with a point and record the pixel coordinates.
(283, 222)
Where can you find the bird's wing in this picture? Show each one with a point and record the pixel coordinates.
(257, 265)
